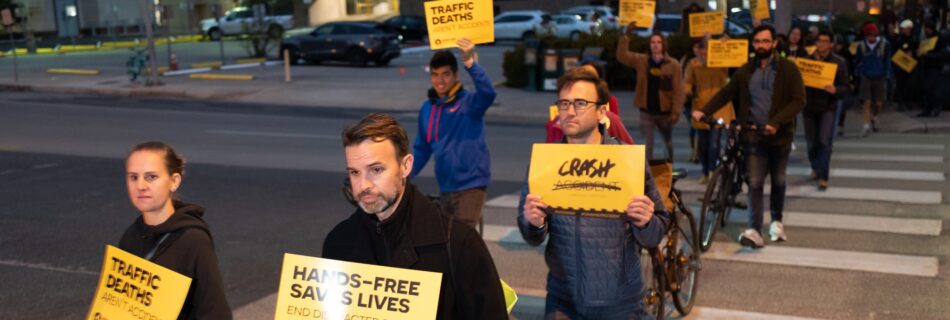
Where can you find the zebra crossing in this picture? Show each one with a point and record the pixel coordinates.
(902, 173)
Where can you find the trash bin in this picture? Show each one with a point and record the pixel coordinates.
(531, 47)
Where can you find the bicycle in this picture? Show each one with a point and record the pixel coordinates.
(726, 182)
(679, 259)
(135, 65)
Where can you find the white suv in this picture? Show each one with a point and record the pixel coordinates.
(606, 14)
(518, 24)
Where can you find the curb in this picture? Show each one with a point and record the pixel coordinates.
(77, 72)
(232, 77)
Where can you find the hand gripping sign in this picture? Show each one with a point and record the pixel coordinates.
(706, 22)
(317, 288)
(450, 20)
(727, 54)
(134, 288)
(639, 11)
(817, 74)
(585, 179)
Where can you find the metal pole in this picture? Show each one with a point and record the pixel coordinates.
(149, 11)
(16, 75)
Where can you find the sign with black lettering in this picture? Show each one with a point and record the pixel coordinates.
(134, 288)
(450, 20)
(597, 180)
(317, 288)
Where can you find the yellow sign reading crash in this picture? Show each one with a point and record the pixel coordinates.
(728, 54)
(598, 179)
(450, 20)
(134, 288)
(817, 74)
(317, 288)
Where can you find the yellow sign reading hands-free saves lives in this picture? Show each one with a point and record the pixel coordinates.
(317, 288)
(134, 288)
(727, 54)
(706, 22)
(450, 20)
(639, 11)
(596, 180)
(817, 74)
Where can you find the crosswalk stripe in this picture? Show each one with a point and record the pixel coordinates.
(801, 145)
(849, 173)
(826, 259)
(887, 158)
(841, 193)
(912, 226)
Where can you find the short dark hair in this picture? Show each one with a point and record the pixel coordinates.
(378, 127)
(764, 27)
(826, 33)
(174, 162)
(443, 58)
(579, 74)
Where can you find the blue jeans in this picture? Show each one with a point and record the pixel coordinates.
(559, 309)
(841, 111)
(819, 132)
(765, 159)
(709, 148)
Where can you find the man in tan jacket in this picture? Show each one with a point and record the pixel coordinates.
(659, 92)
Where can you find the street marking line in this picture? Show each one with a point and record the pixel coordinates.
(46, 267)
(251, 61)
(273, 134)
(841, 193)
(889, 145)
(77, 72)
(229, 77)
(852, 173)
(212, 64)
(826, 259)
(886, 158)
(185, 71)
(241, 66)
(913, 226)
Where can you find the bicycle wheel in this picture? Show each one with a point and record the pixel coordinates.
(711, 209)
(653, 288)
(684, 262)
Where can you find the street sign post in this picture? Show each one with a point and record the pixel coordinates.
(216, 12)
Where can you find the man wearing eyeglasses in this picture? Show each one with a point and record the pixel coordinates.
(767, 92)
(593, 263)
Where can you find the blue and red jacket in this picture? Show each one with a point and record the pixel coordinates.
(453, 129)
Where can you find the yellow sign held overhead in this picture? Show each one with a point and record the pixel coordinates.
(760, 9)
(639, 11)
(595, 180)
(817, 74)
(317, 288)
(904, 61)
(134, 288)
(727, 54)
(706, 22)
(450, 20)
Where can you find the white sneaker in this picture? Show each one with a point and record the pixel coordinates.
(865, 130)
(751, 238)
(777, 231)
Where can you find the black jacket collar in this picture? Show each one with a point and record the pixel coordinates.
(419, 222)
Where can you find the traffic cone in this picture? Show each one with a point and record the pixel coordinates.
(173, 64)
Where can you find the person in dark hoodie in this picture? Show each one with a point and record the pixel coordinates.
(452, 129)
(395, 225)
(172, 233)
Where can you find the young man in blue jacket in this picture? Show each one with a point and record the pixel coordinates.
(594, 263)
(872, 66)
(452, 128)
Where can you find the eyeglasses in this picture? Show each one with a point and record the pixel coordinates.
(580, 105)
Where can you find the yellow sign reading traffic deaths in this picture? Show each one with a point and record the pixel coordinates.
(926, 46)
(317, 288)
(727, 54)
(450, 20)
(760, 9)
(134, 288)
(904, 61)
(707, 22)
(586, 179)
(639, 11)
(817, 74)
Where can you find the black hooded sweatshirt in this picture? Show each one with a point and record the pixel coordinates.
(188, 250)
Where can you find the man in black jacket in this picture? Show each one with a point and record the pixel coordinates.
(397, 226)
(819, 113)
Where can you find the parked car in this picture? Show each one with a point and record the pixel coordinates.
(518, 24)
(241, 20)
(668, 23)
(409, 28)
(571, 26)
(355, 42)
(606, 14)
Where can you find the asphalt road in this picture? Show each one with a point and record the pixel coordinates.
(270, 178)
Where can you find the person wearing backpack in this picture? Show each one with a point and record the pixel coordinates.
(872, 65)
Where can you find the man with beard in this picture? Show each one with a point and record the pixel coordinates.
(397, 226)
(767, 93)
